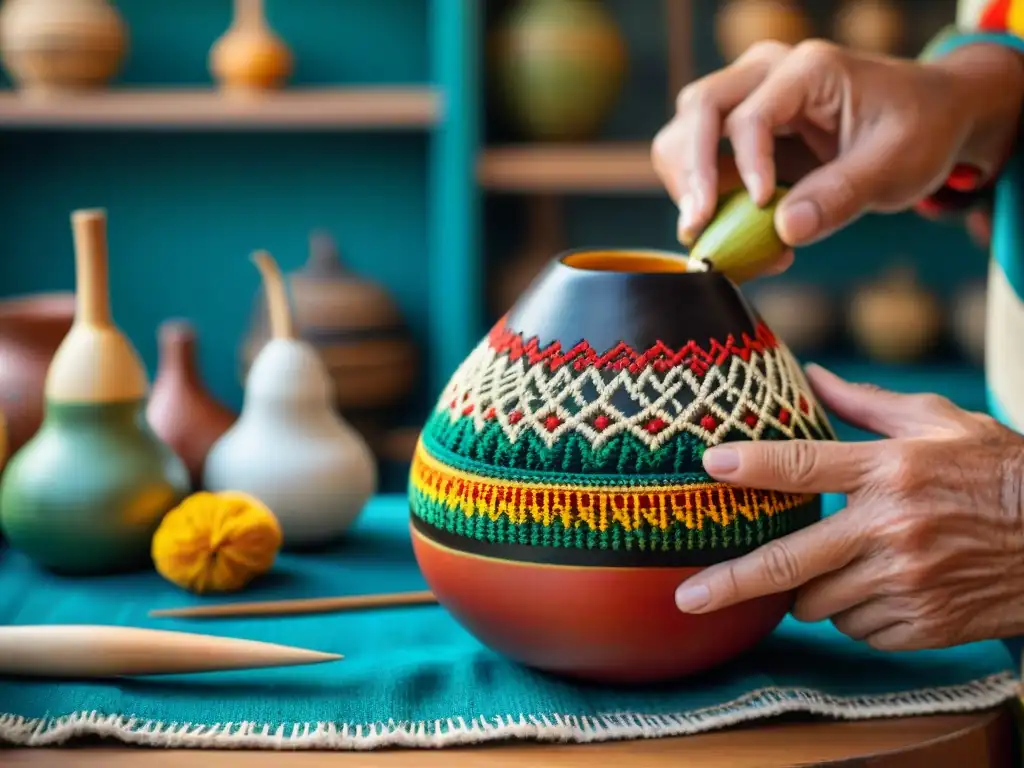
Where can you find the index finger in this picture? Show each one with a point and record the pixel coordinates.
(779, 566)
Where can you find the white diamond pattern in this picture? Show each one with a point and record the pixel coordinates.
(745, 396)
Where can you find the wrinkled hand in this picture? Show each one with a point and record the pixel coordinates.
(929, 551)
(856, 132)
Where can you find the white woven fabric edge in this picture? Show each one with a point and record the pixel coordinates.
(768, 702)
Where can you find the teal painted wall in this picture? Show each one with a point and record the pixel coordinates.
(187, 209)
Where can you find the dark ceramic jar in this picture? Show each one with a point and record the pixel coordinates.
(557, 492)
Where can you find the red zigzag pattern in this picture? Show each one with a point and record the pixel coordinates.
(660, 357)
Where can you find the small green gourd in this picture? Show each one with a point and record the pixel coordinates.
(741, 241)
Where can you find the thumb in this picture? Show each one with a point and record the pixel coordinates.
(886, 413)
(831, 196)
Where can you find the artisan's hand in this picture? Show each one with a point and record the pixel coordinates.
(863, 133)
(929, 551)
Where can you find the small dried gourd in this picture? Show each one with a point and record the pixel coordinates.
(741, 241)
(741, 23)
(801, 314)
(216, 542)
(970, 315)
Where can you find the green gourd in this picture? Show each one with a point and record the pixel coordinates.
(85, 495)
(741, 241)
(558, 67)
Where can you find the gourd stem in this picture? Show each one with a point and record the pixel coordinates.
(281, 325)
(91, 269)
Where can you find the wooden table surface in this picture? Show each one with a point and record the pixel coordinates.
(983, 740)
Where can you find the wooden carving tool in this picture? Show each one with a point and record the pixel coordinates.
(83, 651)
(309, 605)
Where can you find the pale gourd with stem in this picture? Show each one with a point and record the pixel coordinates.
(86, 493)
(290, 448)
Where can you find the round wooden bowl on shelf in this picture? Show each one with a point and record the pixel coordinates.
(56, 46)
(557, 492)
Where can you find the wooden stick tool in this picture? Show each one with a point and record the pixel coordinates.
(87, 651)
(308, 605)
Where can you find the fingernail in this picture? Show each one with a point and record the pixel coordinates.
(755, 184)
(686, 213)
(691, 599)
(799, 221)
(721, 459)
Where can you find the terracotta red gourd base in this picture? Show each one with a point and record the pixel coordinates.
(611, 625)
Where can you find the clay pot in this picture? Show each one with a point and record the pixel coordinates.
(557, 492)
(875, 26)
(181, 411)
(31, 329)
(895, 319)
(802, 315)
(558, 67)
(61, 45)
(250, 58)
(969, 320)
(741, 23)
(353, 323)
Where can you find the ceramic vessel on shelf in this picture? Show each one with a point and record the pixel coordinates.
(86, 493)
(289, 448)
(801, 314)
(250, 58)
(875, 26)
(181, 410)
(558, 66)
(968, 321)
(557, 492)
(355, 326)
(741, 23)
(52, 46)
(894, 318)
(31, 329)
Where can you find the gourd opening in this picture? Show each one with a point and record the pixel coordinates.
(649, 262)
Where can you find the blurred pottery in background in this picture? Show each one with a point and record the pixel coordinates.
(558, 67)
(741, 23)
(563, 459)
(894, 319)
(874, 26)
(544, 235)
(969, 316)
(61, 45)
(181, 410)
(31, 329)
(801, 314)
(289, 448)
(87, 492)
(353, 323)
(250, 58)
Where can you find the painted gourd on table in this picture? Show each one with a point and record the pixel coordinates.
(557, 492)
(86, 493)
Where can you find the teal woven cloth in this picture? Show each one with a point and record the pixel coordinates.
(412, 677)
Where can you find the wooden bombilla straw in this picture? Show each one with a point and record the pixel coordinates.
(102, 651)
(281, 324)
(89, 228)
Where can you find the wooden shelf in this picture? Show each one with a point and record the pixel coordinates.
(611, 167)
(207, 109)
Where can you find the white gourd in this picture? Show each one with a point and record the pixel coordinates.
(289, 447)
